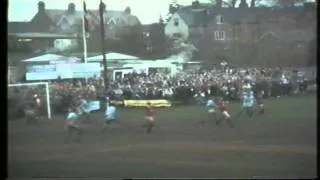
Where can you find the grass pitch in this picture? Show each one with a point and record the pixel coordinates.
(279, 144)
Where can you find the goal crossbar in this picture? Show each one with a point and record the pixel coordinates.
(37, 83)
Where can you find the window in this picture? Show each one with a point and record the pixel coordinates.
(219, 19)
(219, 35)
(176, 21)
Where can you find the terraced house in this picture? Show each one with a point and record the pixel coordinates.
(60, 29)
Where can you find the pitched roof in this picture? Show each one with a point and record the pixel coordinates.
(40, 35)
(18, 27)
(194, 16)
(112, 56)
(75, 19)
(120, 17)
(146, 27)
(55, 14)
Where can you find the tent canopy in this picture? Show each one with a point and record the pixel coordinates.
(112, 56)
(46, 58)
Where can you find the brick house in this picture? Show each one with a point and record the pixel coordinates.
(253, 36)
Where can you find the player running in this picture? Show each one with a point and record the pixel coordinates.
(260, 104)
(150, 117)
(211, 105)
(224, 113)
(71, 125)
(110, 116)
(37, 106)
(248, 102)
(84, 108)
(30, 114)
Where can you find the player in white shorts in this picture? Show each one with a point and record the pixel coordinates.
(84, 107)
(71, 125)
(211, 105)
(110, 116)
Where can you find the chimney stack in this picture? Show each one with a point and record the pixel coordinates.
(127, 10)
(195, 4)
(41, 6)
(71, 8)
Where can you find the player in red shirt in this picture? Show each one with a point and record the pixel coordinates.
(150, 115)
(260, 104)
(224, 112)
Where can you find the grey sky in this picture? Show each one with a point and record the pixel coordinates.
(148, 11)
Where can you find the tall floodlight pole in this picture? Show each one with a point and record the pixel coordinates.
(85, 30)
(102, 9)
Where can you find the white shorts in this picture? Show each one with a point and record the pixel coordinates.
(71, 123)
(261, 105)
(211, 110)
(149, 118)
(226, 114)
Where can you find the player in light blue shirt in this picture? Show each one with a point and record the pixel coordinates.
(211, 105)
(248, 101)
(71, 125)
(110, 115)
(84, 106)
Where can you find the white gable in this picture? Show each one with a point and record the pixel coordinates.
(112, 21)
(176, 25)
(63, 18)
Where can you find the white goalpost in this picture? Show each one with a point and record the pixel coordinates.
(47, 93)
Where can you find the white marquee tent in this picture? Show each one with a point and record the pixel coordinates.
(111, 56)
(46, 58)
(52, 59)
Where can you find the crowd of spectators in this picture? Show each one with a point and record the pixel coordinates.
(186, 86)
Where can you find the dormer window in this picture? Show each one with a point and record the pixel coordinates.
(176, 21)
(219, 19)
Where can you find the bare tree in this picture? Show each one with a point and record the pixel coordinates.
(286, 3)
(220, 3)
(231, 3)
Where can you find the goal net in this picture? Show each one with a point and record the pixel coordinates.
(20, 94)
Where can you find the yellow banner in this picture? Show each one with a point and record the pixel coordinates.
(143, 103)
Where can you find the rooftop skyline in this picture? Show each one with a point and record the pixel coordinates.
(148, 11)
